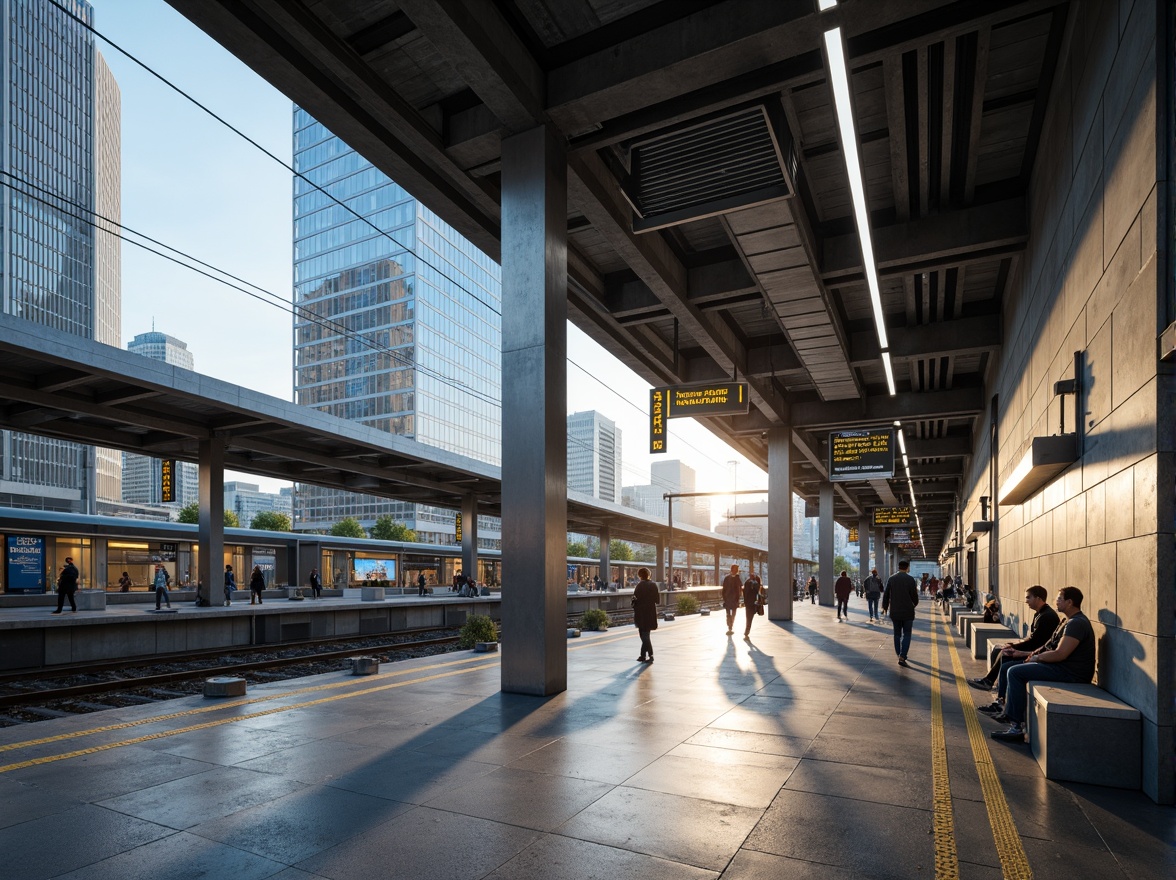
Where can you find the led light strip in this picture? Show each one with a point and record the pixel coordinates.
(839, 79)
(906, 466)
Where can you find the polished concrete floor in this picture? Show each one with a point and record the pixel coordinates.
(804, 752)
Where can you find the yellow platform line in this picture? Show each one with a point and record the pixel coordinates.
(947, 860)
(1014, 863)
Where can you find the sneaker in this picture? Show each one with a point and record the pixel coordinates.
(980, 684)
(58, 611)
(902, 661)
(994, 708)
(1014, 734)
(1002, 718)
(730, 632)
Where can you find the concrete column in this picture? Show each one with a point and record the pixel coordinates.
(864, 547)
(469, 535)
(780, 523)
(211, 527)
(659, 567)
(880, 560)
(534, 395)
(825, 539)
(605, 556)
(718, 567)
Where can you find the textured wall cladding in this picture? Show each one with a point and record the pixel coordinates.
(1089, 281)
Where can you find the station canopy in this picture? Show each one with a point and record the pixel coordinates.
(716, 196)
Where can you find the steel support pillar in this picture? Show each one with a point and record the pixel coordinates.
(780, 523)
(469, 536)
(825, 552)
(210, 570)
(605, 556)
(659, 567)
(880, 560)
(863, 547)
(718, 567)
(534, 395)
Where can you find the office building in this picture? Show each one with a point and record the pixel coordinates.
(247, 500)
(594, 456)
(142, 475)
(398, 326)
(670, 477)
(60, 164)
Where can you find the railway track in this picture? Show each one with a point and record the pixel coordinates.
(37, 695)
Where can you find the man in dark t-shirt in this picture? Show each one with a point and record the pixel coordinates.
(732, 591)
(1067, 657)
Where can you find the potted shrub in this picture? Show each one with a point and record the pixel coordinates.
(479, 633)
(687, 604)
(594, 620)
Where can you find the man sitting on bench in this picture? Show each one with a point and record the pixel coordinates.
(1068, 656)
(1045, 621)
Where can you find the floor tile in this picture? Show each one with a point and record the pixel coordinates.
(423, 844)
(520, 797)
(695, 832)
(701, 772)
(563, 858)
(180, 857)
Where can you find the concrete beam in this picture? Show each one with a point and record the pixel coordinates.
(964, 336)
(834, 415)
(485, 52)
(982, 232)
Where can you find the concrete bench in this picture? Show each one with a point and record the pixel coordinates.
(1096, 738)
(961, 621)
(980, 633)
(371, 594)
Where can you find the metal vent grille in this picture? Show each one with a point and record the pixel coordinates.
(711, 167)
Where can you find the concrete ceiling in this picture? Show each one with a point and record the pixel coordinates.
(692, 255)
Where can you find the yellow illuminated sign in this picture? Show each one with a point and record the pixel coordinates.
(457, 528)
(658, 404)
(167, 480)
(893, 516)
(692, 401)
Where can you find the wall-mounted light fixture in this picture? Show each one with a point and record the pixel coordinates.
(1048, 456)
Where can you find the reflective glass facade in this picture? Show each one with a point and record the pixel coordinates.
(401, 328)
(59, 110)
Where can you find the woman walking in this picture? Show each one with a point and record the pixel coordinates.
(256, 585)
(645, 597)
(752, 598)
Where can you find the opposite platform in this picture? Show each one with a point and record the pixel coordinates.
(804, 752)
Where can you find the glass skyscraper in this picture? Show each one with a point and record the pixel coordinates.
(398, 325)
(142, 476)
(59, 165)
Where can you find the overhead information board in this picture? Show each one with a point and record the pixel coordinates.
(167, 480)
(853, 535)
(690, 402)
(657, 419)
(893, 516)
(861, 455)
(898, 536)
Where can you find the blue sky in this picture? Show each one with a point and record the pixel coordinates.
(191, 183)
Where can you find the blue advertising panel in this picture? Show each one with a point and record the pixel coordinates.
(26, 564)
(375, 569)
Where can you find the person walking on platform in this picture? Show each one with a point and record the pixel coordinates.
(873, 588)
(256, 585)
(316, 584)
(160, 584)
(67, 585)
(752, 602)
(812, 590)
(732, 590)
(900, 598)
(124, 582)
(421, 584)
(645, 598)
(230, 585)
(841, 589)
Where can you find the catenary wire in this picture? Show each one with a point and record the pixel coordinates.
(165, 81)
(267, 152)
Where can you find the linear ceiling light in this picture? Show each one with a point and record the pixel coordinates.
(824, 5)
(839, 78)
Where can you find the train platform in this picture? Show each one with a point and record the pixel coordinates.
(129, 627)
(804, 751)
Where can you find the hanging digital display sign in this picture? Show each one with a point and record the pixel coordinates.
(861, 455)
(693, 401)
(893, 516)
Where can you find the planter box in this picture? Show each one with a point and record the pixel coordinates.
(91, 600)
(371, 594)
(485, 647)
